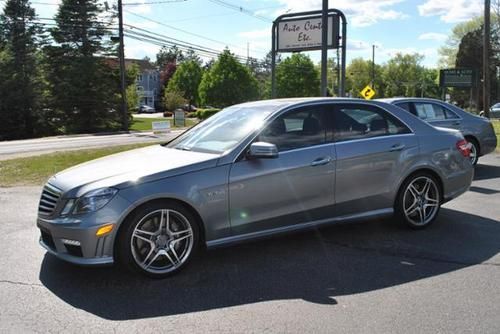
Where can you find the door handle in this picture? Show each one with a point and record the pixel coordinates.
(321, 161)
(456, 123)
(397, 147)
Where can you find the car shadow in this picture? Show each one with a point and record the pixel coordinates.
(486, 172)
(317, 266)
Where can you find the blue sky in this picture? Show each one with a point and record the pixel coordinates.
(393, 25)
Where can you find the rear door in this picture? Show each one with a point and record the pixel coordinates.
(437, 115)
(372, 148)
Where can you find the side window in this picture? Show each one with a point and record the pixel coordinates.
(364, 121)
(297, 128)
(450, 114)
(404, 105)
(430, 111)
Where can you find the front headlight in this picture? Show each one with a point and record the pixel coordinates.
(94, 200)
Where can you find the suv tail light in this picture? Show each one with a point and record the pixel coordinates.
(464, 147)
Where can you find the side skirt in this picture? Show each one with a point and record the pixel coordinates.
(381, 213)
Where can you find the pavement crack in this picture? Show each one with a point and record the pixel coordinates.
(21, 283)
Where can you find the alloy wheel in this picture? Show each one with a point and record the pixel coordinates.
(473, 153)
(421, 201)
(162, 241)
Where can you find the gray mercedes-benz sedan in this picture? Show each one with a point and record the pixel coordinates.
(478, 131)
(252, 170)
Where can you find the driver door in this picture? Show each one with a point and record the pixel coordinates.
(295, 187)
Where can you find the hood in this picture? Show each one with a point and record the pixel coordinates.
(131, 167)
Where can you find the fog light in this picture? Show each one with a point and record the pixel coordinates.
(104, 230)
(70, 242)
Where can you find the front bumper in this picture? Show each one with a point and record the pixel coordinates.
(76, 244)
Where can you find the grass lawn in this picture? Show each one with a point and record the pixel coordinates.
(144, 123)
(36, 170)
(496, 125)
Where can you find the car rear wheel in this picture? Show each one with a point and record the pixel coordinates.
(474, 151)
(419, 200)
(159, 239)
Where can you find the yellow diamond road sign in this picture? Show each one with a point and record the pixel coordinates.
(367, 93)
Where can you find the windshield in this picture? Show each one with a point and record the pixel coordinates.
(223, 131)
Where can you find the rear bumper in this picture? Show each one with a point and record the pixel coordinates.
(458, 184)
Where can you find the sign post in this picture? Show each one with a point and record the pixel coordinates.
(304, 31)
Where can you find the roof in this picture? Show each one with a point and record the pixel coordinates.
(144, 64)
(286, 102)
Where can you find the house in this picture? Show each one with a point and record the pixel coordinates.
(147, 81)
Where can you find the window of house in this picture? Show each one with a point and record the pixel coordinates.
(363, 121)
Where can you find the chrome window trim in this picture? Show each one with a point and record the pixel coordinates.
(249, 139)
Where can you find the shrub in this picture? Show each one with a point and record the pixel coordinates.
(206, 113)
(174, 100)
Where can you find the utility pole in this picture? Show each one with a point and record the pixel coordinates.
(324, 48)
(486, 59)
(373, 67)
(121, 56)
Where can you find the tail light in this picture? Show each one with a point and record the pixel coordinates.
(464, 147)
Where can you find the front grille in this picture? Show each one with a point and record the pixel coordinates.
(48, 201)
(47, 239)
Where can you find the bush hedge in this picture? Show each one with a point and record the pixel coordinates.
(206, 113)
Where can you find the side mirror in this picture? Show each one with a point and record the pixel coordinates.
(262, 150)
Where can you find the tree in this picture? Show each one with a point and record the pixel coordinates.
(168, 55)
(20, 80)
(403, 75)
(84, 87)
(227, 82)
(133, 97)
(470, 55)
(296, 76)
(448, 52)
(359, 74)
(186, 80)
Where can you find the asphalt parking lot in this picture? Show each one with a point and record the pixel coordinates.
(371, 277)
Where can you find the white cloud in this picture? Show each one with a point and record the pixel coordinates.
(433, 36)
(360, 13)
(451, 11)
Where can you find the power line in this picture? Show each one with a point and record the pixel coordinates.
(183, 46)
(185, 31)
(151, 3)
(241, 10)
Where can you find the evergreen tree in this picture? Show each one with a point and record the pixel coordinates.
(20, 83)
(84, 86)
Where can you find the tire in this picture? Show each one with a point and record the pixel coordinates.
(159, 239)
(474, 155)
(419, 200)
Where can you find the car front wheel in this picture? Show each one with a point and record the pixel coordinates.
(418, 201)
(159, 239)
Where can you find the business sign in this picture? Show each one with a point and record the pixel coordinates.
(457, 77)
(179, 117)
(162, 126)
(367, 93)
(305, 34)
